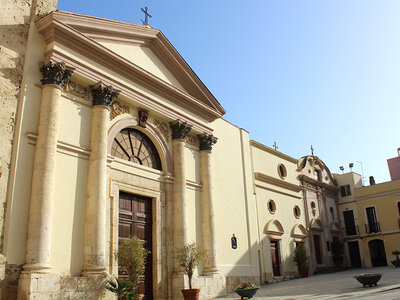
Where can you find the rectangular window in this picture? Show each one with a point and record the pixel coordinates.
(318, 175)
(345, 190)
(349, 223)
(373, 225)
(398, 207)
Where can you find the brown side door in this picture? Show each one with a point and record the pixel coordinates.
(135, 219)
(317, 247)
(276, 269)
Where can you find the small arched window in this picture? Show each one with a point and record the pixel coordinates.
(133, 145)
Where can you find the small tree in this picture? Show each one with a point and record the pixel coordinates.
(188, 257)
(131, 257)
(337, 250)
(300, 257)
(397, 253)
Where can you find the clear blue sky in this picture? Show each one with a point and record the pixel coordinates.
(325, 73)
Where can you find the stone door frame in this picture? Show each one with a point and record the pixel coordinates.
(116, 188)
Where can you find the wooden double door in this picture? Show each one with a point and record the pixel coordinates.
(275, 257)
(135, 219)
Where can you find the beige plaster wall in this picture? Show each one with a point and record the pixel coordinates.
(144, 58)
(16, 18)
(267, 162)
(234, 203)
(22, 159)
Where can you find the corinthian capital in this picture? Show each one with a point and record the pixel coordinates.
(206, 141)
(102, 94)
(55, 73)
(179, 129)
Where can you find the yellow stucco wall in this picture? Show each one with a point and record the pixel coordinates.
(384, 198)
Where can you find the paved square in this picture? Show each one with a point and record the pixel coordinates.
(339, 285)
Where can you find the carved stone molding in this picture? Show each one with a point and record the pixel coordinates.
(118, 109)
(179, 129)
(102, 94)
(77, 89)
(191, 139)
(162, 127)
(143, 115)
(55, 73)
(206, 141)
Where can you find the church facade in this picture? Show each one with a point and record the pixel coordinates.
(117, 136)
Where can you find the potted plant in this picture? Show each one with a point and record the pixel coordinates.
(396, 262)
(131, 257)
(188, 258)
(124, 289)
(246, 290)
(300, 259)
(369, 279)
(337, 252)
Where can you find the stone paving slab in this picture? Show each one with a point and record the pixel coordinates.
(340, 285)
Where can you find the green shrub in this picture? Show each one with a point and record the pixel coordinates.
(124, 289)
(300, 257)
(131, 257)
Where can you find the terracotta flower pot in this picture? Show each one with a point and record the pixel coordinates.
(303, 273)
(191, 294)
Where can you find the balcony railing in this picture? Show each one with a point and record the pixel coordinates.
(372, 227)
(352, 230)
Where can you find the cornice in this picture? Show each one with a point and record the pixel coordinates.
(320, 184)
(84, 69)
(272, 151)
(278, 182)
(72, 35)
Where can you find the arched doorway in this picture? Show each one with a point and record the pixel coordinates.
(377, 253)
(135, 214)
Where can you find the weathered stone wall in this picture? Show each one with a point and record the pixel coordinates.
(16, 16)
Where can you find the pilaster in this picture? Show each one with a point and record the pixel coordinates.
(38, 246)
(207, 209)
(96, 201)
(179, 131)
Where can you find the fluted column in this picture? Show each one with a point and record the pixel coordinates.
(207, 209)
(38, 245)
(95, 226)
(179, 131)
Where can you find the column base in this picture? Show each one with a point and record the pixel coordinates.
(38, 286)
(94, 272)
(210, 271)
(211, 286)
(39, 268)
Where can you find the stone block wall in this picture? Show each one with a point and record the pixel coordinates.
(16, 16)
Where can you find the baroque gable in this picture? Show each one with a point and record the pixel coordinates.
(137, 53)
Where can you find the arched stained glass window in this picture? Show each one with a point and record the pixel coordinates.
(133, 145)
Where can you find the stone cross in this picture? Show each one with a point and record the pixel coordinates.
(312, 150)
(146, 16)
(275, 146)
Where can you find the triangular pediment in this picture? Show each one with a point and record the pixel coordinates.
(144, 58)
(273, 227)
(137, 52)
(298, 231)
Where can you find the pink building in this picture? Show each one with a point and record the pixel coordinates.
(394, 166)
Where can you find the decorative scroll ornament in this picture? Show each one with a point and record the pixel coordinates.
(102, 94)
(143, 115)
(191, 139)
(55, 73)
(118, 109)
(206, 141)
(163, 127)
(77, 89)
(179, 129)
